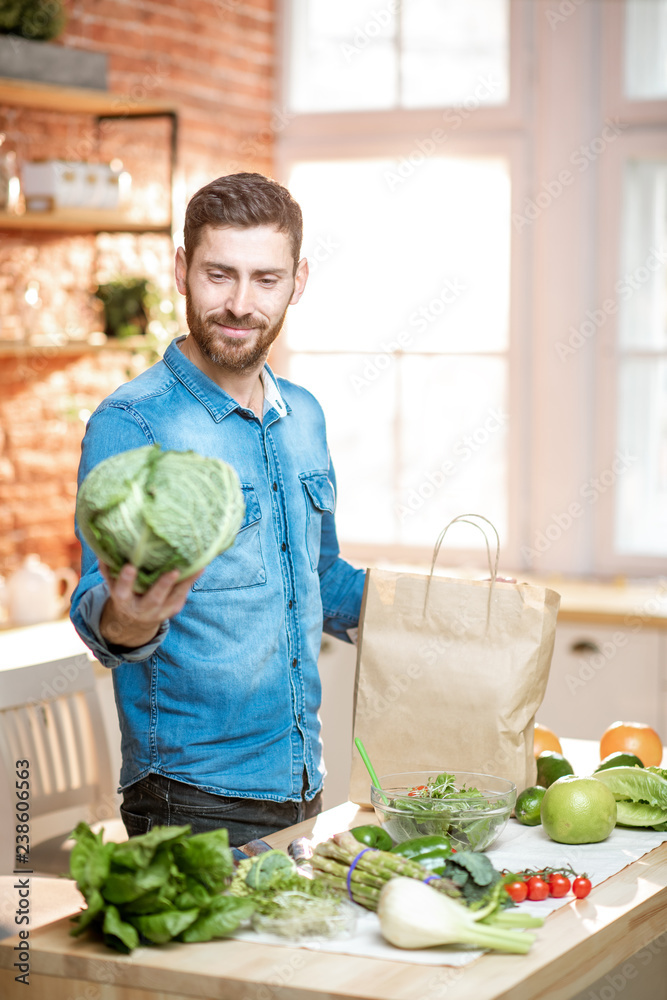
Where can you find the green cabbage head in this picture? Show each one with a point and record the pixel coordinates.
(160, 511)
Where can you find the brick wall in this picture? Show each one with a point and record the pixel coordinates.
(215, 60)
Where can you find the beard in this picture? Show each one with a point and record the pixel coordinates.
(228, 352)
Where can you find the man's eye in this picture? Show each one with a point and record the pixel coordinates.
(268, 282)
(217, 275)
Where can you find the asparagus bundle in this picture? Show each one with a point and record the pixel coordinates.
(332, 860)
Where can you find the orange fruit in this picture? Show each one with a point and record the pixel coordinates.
(545, 739)
(632, 737)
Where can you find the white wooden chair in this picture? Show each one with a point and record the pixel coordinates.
(50, 717)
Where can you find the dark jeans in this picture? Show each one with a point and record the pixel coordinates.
(159, 801)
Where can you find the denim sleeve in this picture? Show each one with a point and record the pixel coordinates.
(341, 585)
(110, 430)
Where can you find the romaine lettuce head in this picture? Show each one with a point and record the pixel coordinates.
(160, 511)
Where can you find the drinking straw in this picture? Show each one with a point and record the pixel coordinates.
(369, 767)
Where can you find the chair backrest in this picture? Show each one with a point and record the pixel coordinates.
(50, 717)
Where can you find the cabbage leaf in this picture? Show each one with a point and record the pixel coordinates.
(160, 511)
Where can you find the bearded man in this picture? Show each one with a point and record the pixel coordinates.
(215, 677)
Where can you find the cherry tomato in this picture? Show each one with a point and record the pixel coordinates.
(559, 885)
(581, 887)
(537, 888)
(517, 891)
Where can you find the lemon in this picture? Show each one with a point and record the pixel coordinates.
(551, 766)
(527, 809)
(574, 811)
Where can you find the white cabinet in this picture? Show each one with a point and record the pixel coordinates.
(603, 673)
(337, 666)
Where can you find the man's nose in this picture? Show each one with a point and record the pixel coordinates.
(240, 299)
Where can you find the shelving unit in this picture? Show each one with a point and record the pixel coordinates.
(101, 105)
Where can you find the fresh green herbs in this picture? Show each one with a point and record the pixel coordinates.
(287, 903)
(163, 885)
(440, 807)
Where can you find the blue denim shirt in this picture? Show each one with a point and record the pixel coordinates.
(226, 697)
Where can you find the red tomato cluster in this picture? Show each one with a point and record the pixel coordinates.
(543, 884)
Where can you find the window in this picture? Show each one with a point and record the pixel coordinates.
(646, 49)
(417, 315)
(368, 54)
(534, 197)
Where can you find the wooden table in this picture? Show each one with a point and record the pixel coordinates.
(578, 944)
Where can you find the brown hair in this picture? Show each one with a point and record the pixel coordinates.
(241, 201)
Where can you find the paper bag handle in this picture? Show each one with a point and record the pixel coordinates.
(493, 571)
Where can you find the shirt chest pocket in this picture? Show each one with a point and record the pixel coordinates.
(320, 499)
(243, 564)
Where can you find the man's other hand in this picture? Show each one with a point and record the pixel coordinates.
(133, 620)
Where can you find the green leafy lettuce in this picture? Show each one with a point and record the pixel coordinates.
(640, 793)
(160, 511)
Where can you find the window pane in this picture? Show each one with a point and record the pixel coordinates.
(453, 447)
(405, 257)
(641, 485)
(422, 443)
(646, 49)
(361, 441)
(642, 286)
(454, 53)
(343, 56)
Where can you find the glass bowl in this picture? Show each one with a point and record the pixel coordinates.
(471, 823)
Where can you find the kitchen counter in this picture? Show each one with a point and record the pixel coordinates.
(580, 942)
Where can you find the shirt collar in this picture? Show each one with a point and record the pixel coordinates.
(218, 402)
(272, 396)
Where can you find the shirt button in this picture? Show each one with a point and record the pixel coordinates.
(283, 547)
(290, 604)
(275, 486)
(298, 718)
(294, 662)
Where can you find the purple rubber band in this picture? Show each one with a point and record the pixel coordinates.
(430, 879)
(353, 866)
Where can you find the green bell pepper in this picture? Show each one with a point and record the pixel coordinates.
(372, 836)
(430, 852)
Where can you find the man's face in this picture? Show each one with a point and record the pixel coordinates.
(237, 290)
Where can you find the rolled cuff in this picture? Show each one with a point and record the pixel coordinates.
(86, 621)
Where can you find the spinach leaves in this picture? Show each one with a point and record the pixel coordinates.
(161, 886)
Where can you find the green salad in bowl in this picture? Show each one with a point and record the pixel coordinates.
(471, 809)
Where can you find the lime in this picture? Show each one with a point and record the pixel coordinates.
(551, 766)
(527, 809)
(619, 759)
(574, 811)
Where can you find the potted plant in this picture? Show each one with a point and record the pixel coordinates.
(36, 19)
(136, 310)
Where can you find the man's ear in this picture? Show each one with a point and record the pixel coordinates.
(300, 279)
(180, 270)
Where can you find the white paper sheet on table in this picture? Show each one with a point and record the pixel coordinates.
(517, 847)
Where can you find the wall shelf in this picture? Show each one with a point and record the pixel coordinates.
(53, 97)
(81, 220)
(72, 348)
(102, 105)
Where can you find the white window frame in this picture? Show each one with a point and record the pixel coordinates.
(644, 137)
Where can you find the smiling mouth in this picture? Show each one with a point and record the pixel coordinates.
(234, 331)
